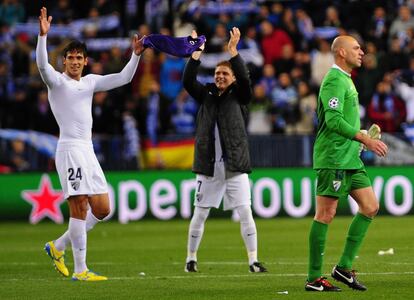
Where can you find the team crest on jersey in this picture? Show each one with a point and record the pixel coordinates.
(75, 185)
(336, 185)
(333, 102)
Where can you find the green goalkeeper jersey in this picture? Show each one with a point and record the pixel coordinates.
(338, 116)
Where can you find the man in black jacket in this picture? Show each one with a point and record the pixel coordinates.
(221, 159)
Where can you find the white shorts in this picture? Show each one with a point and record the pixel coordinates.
(211, 190)
(79, 170)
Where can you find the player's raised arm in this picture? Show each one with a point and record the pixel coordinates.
(46, 70)
(138, 44)
(44, 22)
(233, 41)
(111, 81)
(190, 82)
(239, 68)
(196, 54)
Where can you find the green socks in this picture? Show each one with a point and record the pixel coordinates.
(317, 238)
(356, 234)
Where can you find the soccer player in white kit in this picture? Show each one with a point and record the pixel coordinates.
(82, 179)
(221, 159)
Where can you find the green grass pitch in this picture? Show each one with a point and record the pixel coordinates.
(158, 249)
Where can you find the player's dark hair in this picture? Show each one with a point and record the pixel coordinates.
(77, 46)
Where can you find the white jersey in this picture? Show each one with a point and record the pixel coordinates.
(71, 100)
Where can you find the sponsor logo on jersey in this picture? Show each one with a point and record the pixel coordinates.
(333, 102)
(75, 185)
(336, 185)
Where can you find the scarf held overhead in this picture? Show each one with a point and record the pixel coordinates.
(176, 46)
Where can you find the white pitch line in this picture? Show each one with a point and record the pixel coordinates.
(227, 263)
(289, 263)
(250, 275)
(196, 276)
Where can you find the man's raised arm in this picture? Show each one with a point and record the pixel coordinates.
(46, 70)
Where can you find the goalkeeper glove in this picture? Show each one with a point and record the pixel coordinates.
(374, 132)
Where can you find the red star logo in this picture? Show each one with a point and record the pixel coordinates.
(45, 200)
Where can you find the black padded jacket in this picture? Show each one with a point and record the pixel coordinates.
(230, 112)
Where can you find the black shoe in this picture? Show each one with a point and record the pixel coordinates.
(321, 285)
(348, 277)
(257, 267)
(191, 266)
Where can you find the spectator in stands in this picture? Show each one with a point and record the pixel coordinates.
(115, 61)
(386, 109)
(399, 26)
(144, 29)
(249, 40)
(131, 149)
(332, 17)
(41, 116)
(406, 92)
(307, 111)
(21, 57)
(303, 62)
(170, 75)
(11, 12)
(154, 113)
(183, 113)
(62, 12)
(395, 58)
(286, 62)
(322, 61)
(276, 13)
(284, 103)
(368, 77)
(106, 118)
(268, 80)
(18, 111)
(218, 40)
(147, 72)
(377, 30)
(273, 40)
(106, 7)
(182, 25)
(6, 83)
(18, 159)
(305, 26)
(156, 13)
(260, 120)
(290, 27)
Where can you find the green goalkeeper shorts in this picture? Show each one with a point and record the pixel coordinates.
(339, 183)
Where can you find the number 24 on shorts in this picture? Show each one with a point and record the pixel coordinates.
(73, 175)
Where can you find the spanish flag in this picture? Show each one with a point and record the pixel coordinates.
(176, 154)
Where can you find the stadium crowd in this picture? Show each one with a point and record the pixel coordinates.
(285, 43)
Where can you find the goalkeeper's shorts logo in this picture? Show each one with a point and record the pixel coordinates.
(336, 185)
(333, 102)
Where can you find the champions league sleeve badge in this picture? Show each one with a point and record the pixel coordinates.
(333, 102)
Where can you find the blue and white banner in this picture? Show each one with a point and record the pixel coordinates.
(43, 142)
(73, 29)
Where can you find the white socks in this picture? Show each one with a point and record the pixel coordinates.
(77, 233)
(64, 239)
(248, 231)
(195, 232)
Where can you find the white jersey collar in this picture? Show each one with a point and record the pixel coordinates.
(335, 66)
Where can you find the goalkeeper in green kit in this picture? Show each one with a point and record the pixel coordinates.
(340, 171)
